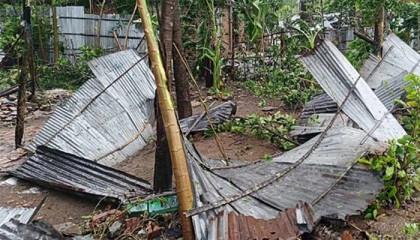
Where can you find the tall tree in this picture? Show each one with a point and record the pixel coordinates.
(170, 36)
(183, 98)
(172, 130)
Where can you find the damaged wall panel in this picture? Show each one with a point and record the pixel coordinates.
(109, 118)
(337, 76)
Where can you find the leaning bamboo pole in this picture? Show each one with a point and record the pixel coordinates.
(173, 133)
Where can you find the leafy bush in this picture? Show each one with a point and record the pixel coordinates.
(289, 80)
(358, 51)
(273, 127)
(400, 167)
(66, 75)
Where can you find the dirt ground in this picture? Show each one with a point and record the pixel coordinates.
(60, 207)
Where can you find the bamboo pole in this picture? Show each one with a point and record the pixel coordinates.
(173, 133)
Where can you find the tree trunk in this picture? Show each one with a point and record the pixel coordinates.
(162, 180)
(379, 29)
(183, 99)
(21, 100)
(166, 37)
(172, 130)
(30, 49)
(55, 30)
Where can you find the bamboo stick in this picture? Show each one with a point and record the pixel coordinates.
(173, 133)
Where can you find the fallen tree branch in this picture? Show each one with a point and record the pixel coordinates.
(364, 37)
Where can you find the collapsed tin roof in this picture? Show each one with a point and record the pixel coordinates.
(111, 118)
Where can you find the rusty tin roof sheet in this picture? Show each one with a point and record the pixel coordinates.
(337, 76)
(289, 224)
(108, 118)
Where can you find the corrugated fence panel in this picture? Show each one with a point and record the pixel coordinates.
(109, 118)
(79, 29)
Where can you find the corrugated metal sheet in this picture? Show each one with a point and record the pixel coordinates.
(390, 91)
(38, 230)
(218, 115)
(78, 29)
(333, 184)
(318, 104)
(337, 76)
(109, 118)
(57, 169)
(317, 125)
(289, 224)
(368, 66)
(398, 57)
(20, 214)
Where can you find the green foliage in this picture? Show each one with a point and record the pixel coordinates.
(358, 51)
(402, 15)
(290, 81)
(372, 211)
(273, 127)
(411, 229)
(66, 75)
(400, 167)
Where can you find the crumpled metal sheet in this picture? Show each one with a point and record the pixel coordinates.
(37, 230)
(63, 171)
(20, 214)
(333, 183)
(109, 118)
(321, 103)
(368, 66)
(317, 125)
(398, 57)
(218, 115)
(289, 224)
(337, 76)
(390, 91)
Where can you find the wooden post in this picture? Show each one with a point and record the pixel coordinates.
(21, 107)
(379, 28)
(173, 133)
(55, 31)
(30, 48)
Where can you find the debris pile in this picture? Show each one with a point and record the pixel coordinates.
(118, 224)
(111, 118)
(43, 102)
